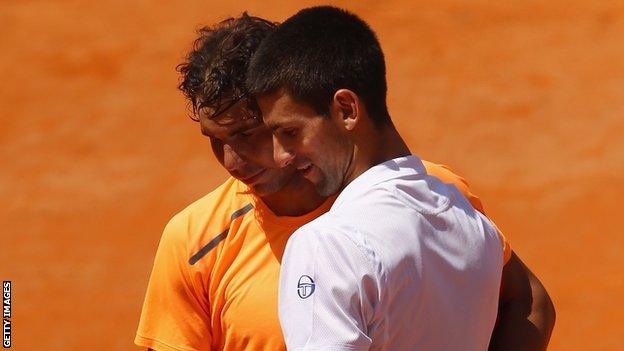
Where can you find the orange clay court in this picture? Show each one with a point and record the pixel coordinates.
(524, 99)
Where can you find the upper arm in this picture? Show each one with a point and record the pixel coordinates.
(526, 314)
(175, 311)
(326, 293)
(519, 284)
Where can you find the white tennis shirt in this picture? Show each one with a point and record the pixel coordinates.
(400, 262)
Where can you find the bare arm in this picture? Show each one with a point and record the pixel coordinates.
(526, 315)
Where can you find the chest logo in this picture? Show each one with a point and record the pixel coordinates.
(305, 287)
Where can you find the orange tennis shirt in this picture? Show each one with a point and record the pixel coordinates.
(215, 277)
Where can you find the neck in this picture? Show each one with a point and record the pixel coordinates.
(297, 198)
(375, 146)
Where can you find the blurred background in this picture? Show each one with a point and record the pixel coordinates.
(523, 98)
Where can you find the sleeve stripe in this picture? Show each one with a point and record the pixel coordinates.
(214, 242)
(241, 212)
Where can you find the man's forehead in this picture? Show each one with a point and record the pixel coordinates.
(222, 119)
(226, 119)
(225, 124)
(279, 108)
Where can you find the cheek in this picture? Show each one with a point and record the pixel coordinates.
(217, 149)
(261, 146)
(334, 155)
(323, 145)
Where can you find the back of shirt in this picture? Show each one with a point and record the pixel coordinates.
(401, 262)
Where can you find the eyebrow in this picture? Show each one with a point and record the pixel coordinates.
(244, 126)
(238, 130)
(276, 126)
(224, 121)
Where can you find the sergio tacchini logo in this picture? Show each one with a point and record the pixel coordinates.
(305, 287)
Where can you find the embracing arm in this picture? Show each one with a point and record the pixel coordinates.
(526, 314)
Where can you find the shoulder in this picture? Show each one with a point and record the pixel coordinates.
(448, 176)
(331, 233)
(207, 216)
(324, 227)
(444, 173)
(225, 196)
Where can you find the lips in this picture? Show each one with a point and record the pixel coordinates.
(305, 168)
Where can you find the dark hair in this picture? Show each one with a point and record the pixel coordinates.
(216, 66)
(318, 51)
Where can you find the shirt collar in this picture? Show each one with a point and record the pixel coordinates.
(391, 169)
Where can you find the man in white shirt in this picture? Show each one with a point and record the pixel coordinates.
(401, 261)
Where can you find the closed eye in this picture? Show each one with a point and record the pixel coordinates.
(246, 132)
(248, 129)
(289, 132)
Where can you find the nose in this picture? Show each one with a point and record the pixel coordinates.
(232, 161)
(282, 156)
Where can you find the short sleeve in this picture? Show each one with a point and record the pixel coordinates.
(175, 313)
(328, 289)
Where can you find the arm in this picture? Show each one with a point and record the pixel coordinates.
(526, 314)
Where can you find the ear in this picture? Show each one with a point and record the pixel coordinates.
(346, 107)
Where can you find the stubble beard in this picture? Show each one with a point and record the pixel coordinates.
(328, 185)
(331, 183)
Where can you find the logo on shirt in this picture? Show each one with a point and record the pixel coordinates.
(305, 287)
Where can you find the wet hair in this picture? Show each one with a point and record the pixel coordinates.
(213, 72)
(318, 51)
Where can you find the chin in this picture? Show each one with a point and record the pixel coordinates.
(326, 188)
(265, 189)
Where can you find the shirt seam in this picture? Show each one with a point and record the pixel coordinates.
(316, 247)
(371, 269)
(445, 206)
(359, 246)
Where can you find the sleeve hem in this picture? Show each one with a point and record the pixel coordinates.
(157, 345)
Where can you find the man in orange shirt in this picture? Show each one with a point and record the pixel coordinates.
(215, 277)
